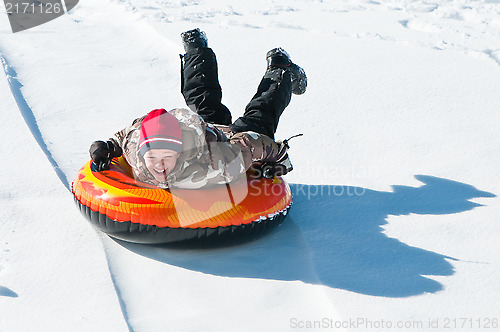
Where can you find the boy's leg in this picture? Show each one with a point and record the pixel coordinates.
(200, 85)
(282, 78)
(264, 110)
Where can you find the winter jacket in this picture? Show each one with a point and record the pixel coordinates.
(212, 154)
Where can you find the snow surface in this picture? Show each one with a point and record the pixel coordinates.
(395, 218)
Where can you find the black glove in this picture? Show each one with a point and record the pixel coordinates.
(269, 170)
(102, 153)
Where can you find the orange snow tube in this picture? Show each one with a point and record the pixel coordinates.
(117, 204)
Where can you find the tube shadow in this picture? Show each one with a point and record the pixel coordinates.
(333, 236)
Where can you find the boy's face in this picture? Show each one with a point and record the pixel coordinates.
(160, 162)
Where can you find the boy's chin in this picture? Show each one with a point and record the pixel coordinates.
(160, 179)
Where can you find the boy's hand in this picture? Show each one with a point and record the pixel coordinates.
(269, 170)
(102, 152)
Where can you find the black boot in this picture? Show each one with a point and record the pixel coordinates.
(194, 39)
(279, 58)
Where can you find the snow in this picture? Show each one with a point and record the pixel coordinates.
(395, 216)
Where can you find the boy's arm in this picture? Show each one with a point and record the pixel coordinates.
(258, 148)
(102, 152)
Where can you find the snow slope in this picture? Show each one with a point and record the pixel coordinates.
(395, 216)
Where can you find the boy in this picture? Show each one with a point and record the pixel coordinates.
(200, 146)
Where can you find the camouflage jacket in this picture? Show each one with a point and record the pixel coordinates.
(212, 154)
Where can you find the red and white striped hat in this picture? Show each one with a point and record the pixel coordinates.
(160, 130)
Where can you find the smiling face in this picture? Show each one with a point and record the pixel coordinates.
(160, 162)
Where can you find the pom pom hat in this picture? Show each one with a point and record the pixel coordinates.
(160, 130)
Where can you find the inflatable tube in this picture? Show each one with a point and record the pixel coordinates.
(138, 212)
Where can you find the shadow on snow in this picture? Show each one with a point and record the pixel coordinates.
(333, 236)
(4, 291)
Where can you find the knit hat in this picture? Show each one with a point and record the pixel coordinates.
(160, 130)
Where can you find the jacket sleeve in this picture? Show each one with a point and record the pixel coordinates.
(257, 147)
(230, 159)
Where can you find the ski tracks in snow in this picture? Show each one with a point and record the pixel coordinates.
(29, 117)
(470, 27)
(31, 121)
(29, 113)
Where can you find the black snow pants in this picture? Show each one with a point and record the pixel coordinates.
(203, 94)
